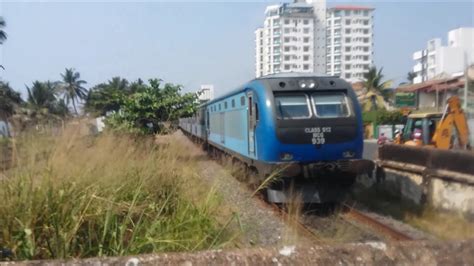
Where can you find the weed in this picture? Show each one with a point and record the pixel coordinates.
(81, 196)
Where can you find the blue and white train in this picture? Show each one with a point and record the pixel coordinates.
(309, 127)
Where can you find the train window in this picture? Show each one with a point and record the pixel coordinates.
(330, 104)
(293, 106)
(225, 105)
(242, 101)
(233, 103)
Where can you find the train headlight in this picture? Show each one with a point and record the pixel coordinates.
(307, 84)
(286, 156)
(302, 84)
(348, 154)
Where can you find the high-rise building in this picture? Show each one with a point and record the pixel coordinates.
(437, 59)
(350, 42)
(292, 39)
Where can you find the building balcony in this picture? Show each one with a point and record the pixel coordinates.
(418, 67)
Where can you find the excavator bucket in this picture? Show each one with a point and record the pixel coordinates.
(447, 164)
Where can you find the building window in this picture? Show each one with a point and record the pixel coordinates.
(242, 101)
(287, 39)
(306, 30)
(366, 12)
(348, 49)
(305, 67)
(225, 105)
(306, 39)
(287, 48)
(219, 107)
(348, 40)
(366, 49)
(348, 22)
(366, 31)
(347, 12)
(287, 67)
(305, 22)
(348, 75)
(348, 31)
(366, 58)
(366, 22)
(347, 58)
(306, 49)
(306, 57)
(366, 40)
(348, 66)
(287, 21)
(287, 30)
(287, 57)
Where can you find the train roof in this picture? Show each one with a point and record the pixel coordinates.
(285, 75)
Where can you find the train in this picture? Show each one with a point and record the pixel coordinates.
(305, 128)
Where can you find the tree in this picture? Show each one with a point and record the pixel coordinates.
(148, 109)
(42, 95)
(108, 97)
(3, 35)
(411, 76)
(72, 87)
(10, 100)
(378, 93)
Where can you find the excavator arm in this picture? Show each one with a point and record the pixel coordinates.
(453, 116)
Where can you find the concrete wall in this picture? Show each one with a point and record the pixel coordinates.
(427, 191)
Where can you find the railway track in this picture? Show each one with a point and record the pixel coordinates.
(359, 217)
(368, 227)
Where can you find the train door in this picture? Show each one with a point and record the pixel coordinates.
(222, 126)
(251, 123)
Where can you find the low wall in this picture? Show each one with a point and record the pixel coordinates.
(425, 191)
(373, 253)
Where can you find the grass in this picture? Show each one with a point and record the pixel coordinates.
(446, 226)
(78, 196)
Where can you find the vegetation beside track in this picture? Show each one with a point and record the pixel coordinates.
(81, 196)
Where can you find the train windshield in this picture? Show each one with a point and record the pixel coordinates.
(330, 104)
(293, 106)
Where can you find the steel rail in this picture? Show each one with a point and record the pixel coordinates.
(352, 214)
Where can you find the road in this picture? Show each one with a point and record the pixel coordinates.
(370, 149)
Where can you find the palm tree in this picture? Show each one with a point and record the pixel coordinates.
(42, 96)
(3, 35)
(72, 87)
(377, 94)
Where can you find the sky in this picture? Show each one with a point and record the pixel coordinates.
(188, 43)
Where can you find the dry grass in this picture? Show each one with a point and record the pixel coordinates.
(81, 196)
(443, 225)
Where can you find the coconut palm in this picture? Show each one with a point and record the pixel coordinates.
(3, 35)
(72, 87)
(42, 96)
(378, 94)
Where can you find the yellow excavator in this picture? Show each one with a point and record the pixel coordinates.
(445, 130)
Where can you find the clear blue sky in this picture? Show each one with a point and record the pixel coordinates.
(187, 43)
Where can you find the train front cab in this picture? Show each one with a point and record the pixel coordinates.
(312, 131)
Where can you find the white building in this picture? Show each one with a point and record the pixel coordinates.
(292, 39)
(437, 59)
(350, 41)
(206, 93)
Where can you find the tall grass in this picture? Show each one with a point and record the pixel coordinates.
(77, 196)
